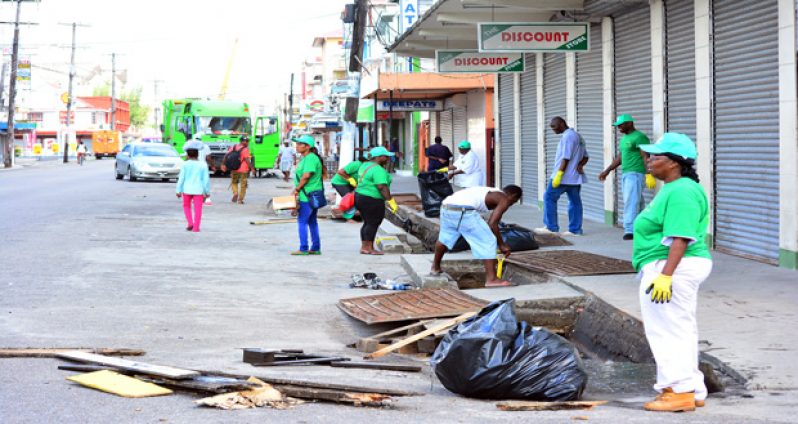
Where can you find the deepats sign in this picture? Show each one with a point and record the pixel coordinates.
(534, 37)
(473, 61)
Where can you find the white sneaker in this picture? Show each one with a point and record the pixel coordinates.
(208, 202)
(569, 234)
(543, 230)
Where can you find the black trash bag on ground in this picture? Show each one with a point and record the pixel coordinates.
(491, 356)
(517, 237)
(433, 187)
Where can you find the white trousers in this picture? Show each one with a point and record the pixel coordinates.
(671, 328)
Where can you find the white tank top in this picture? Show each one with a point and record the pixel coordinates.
(472, 197)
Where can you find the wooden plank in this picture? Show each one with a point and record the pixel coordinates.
(302, 361)
(90, 368)
(32, 352)
(521, 405)
(138, 367)
(334, 395)
(446, 324)
(376, 366)
(203, 384)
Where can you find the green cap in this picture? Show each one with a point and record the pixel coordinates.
(465, 144)
(305, 139)
(622, 119)
(673, 143)
(379, 151)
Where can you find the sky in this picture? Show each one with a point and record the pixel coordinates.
(186, 44)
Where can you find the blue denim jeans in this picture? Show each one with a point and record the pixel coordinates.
(632, 188)
(574, 207)
(306, 219)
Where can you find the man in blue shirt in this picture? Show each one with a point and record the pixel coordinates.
(567, 177)
(439, 155)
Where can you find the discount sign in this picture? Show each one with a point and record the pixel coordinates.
(549, 37)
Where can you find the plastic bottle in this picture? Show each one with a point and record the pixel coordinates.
(395, 285)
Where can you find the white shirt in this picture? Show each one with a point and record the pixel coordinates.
(472, 197)
(469, 164)
(287, 155)
(81, 148)
(203, 152)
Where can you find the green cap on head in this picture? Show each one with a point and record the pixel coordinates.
(305, 139)
(465, 144)
(622, 119)
(674, 143)
(379, 151)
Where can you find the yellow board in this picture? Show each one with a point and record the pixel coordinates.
(118, 384)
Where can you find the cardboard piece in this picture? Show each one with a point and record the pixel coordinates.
(283, 202)
(118, 384)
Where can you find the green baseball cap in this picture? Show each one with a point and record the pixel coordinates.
(465, 144)
(673, 143)
(305, 139)
(622, 119)
(379, 151)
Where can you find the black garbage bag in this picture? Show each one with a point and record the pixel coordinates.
(434, 187)
(491, 356)
(517, 237)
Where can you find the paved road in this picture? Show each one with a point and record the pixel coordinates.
(91, 261)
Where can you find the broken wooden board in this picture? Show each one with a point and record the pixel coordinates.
(137, 367)
(118, 384)
(301, 361)
(261, 394)
(378, 341)
(376, 366)
(446, 324)
(520, 405)
(33, 352)
(410, 305)
(204, 384)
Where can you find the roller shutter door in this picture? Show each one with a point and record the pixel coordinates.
(554, 102)
(529, 130)
(506, 129)
(447, 129)
(680, 66)
(460, 124)
(747, 127)
(589, 110)
(433, 127)
(633, 82)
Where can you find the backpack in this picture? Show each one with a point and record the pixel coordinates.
(232, 161)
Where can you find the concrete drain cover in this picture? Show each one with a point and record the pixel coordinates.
(410, 305)
(570, 263)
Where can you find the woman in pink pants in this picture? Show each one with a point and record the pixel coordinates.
(193, 185)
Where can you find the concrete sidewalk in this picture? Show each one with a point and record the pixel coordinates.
(745, 312)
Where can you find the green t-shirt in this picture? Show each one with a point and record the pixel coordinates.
(312, 164)
(680, 209)
(351, 169)
(631, 161)
(369, 176)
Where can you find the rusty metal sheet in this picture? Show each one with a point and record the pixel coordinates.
(410, 305)
(570, 263)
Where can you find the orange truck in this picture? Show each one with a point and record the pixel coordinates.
(105, 143)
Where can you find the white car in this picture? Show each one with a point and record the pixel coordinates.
(147, 161)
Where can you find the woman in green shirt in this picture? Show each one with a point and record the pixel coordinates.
(307, 178)
(673, 260)
(344, 181)
(372, 192)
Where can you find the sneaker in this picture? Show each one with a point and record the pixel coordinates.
(544, 230)
(628, 236)
(299, 253)
(314, 252)
(208, 202)
(570, 234)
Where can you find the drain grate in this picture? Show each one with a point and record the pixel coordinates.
(570, 263)
(410, 305)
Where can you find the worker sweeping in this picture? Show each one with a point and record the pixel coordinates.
(671, 254)
(460, 216)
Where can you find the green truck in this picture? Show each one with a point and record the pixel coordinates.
(222, 124)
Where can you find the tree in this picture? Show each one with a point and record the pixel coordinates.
(138, 112)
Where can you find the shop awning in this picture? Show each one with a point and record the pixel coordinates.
(427, 85)
(19, 126)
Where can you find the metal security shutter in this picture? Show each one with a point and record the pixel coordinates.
(553, 101)
(506, 129)
(460, 124)
(433, 127)
(529, 130)
(680, 66)
(447, 129)
(589, 110)
(633, 81)
(747, 127)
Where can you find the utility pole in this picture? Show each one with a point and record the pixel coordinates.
(74, 26)
(8, 141)
(156, 109)
(113, 91)
(356, 55)
(291, 103)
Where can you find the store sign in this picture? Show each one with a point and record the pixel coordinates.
(409, 105)
(62, 116)
(534, 37)
(409, 13)
(474, 61)
(23, 74)
(384, 116)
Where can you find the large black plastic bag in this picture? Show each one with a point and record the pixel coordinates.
(434, 187)
(518, 238)
(491, 356)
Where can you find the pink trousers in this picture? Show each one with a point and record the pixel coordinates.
(197, 200)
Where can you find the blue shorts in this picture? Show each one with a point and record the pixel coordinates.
(473, 228)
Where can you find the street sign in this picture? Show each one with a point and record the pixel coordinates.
(409, 14)
(474, 61)
(551, 37)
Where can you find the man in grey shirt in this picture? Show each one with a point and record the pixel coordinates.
(567, 177)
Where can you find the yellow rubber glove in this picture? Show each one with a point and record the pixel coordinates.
(352, 181)
(651, 183)
(660, 289)
(392, 204)
(499, 265)
(555, 182)
(443, 170)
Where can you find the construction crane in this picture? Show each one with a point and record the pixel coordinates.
(223, 90)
